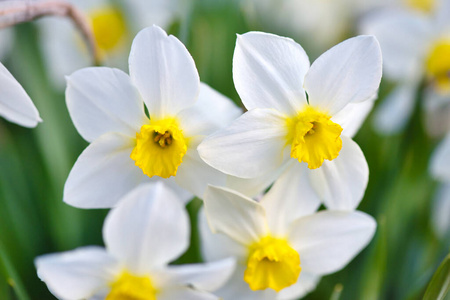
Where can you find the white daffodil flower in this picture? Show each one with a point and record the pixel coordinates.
(300, 115)
(127, 147)
(440, 170)
(15, 104)
(113, 24)
(415, 46)
(146, 231)
(281, 246)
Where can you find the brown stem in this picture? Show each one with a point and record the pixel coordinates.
(15, 12)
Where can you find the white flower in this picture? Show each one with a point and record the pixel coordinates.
(127, 147)
(114, 24)
(300, 114)
(282, 247)
(440, 170)
(146, 231)
(15, 104)
(415, 46)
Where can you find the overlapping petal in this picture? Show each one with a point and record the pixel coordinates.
(103, 173)
(341, 183)
(353, 115)
(164, 72)
(348, 72)
(102, 100)
(235, 215)
(268, 72)
(252, 145)
(306, 283)
(290, 198)
(77, 274)
(148, 229)
(15, 104)
(328, 240)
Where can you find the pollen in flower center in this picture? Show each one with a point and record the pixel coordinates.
(160, 148)
(130, 287)
(438, 64)
(272, 263)
(109, 28)
(313, 137)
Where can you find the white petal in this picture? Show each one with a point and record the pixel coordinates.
(329, 240)
(148, 228)
(341, 183)
(395, 110)
(15, 104)
(234, 215)
(103, 173)
(268, 72)
(252, 145)
(254, 186)
(211, 112)
(215, 246)
(290, 197)
(306, 283)
(194, 174)
(102, 100)
(77, 274)
(440, 160)
(440, 212)
(402, 57)
(204, 276)
(437, 111)
(185, 293)
(348, 72)
(353, 115)
(182, 194)
(237, 288)
(164, 72)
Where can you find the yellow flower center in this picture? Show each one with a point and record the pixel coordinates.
(130, 287)
(438, 64)
(272, 263)
(313, 137)
(160, 147)
(421, 5)
(109, 28)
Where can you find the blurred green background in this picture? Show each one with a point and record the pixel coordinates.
(34, 164)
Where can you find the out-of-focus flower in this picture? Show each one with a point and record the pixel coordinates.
(146, 231)
(440, 169)
(15, 104)
(281, 245)
(299, 115)
(113, 24)
(415, 46)
(127, 147)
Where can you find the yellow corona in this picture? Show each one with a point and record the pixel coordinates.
(272, 263)
(109, 28)
(313, 137)
(130, 287)
(438, 64)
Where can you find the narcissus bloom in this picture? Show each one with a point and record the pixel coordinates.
(415, 47)
(440, 170)
(127, 147)
(15, 104)
(146, 231)
(282, 247)
(300, 115)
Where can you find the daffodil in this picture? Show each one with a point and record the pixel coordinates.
(282, 246)
(440, 170)
(146, 231)
(416, 47)
(300, 115)
(113, 25)
(15, 104)
(127, 147)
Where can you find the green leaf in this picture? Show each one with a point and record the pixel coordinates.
(440, 282)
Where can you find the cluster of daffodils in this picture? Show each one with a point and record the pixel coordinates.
(416, 52)
(159, 136)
